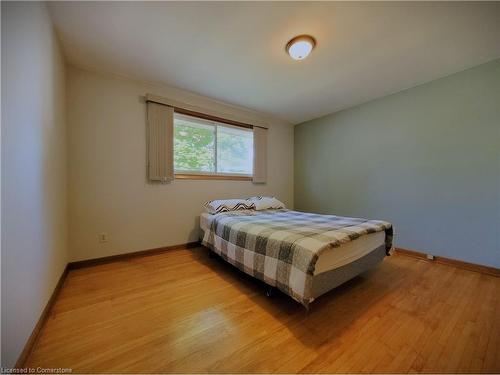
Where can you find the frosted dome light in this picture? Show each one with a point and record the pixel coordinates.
(300, 47)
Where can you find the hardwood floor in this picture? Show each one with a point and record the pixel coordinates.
(181, 311)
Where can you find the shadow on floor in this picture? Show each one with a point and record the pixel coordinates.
(328, 316)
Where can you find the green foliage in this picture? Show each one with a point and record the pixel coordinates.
(234, 151)
(194, 149)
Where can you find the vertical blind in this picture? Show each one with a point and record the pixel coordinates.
(160, 137)
(259, 155)
(160, 145)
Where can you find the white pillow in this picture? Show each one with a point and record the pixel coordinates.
(224, 205)
(266, 203)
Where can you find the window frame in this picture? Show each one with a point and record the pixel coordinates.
(215, 122)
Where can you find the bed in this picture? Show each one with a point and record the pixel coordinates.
(302, 254)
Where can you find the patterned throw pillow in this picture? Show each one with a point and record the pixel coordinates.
(266, 203)
(224, 205)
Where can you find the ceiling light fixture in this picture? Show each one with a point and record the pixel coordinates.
(300, 47)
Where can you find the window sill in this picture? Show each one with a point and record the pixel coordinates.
(184, 176)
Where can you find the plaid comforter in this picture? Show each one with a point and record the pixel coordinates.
(281, 247)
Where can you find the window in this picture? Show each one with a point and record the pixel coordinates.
(203, 147)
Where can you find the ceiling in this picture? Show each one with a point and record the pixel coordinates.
(235, 51)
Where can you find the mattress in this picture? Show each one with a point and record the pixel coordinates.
(332, 258)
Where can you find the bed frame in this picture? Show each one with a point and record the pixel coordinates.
(326, 281)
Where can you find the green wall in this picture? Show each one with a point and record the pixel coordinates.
(427, 159)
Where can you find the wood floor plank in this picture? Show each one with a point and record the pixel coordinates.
(181, 311)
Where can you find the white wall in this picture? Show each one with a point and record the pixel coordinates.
(108, 190)
(34, 251)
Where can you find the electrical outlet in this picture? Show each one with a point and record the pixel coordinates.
(103, 237)
(430, 256)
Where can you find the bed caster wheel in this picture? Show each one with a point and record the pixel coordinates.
(270, 292)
